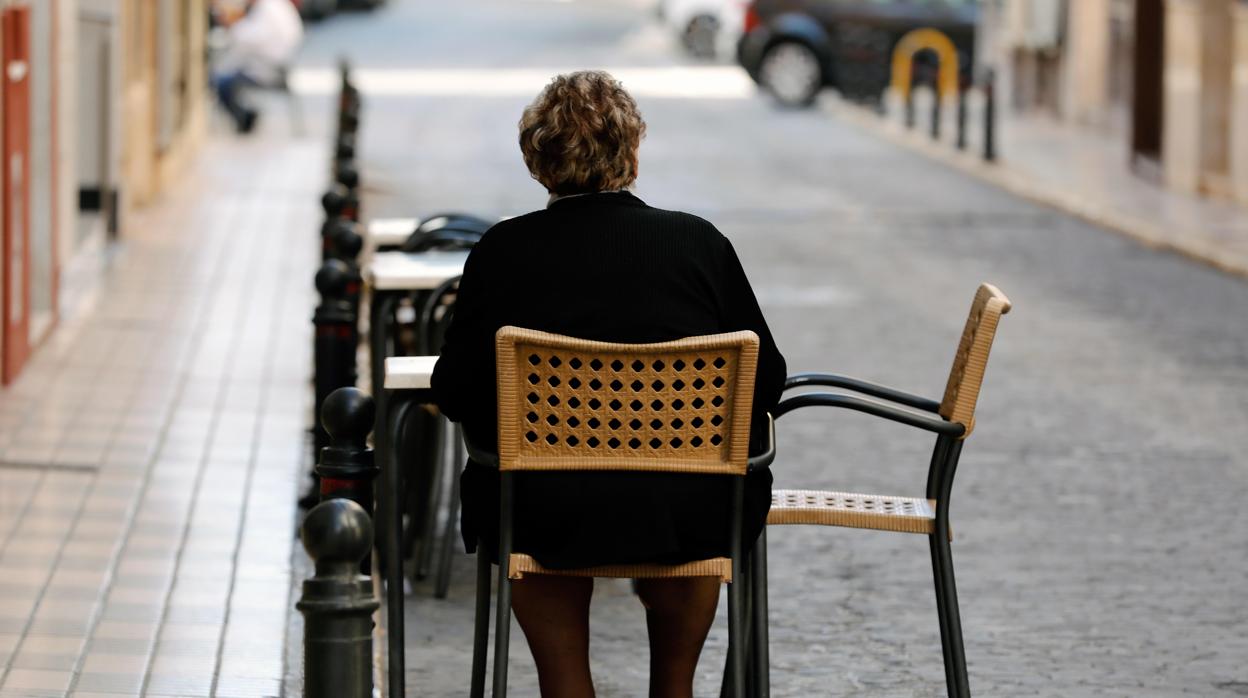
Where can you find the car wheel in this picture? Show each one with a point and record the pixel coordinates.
(790, 71)
(700, 36)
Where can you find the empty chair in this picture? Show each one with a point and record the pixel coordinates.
(952, 419)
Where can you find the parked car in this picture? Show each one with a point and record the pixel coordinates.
(795, 48)
(706, 28)
(316, 9)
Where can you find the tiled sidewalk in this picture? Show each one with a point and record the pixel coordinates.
(149, 455)
(1085, 174)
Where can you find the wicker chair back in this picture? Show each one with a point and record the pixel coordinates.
(967, 374)
(573, 404)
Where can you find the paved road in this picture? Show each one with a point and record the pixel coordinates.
(1102, 535)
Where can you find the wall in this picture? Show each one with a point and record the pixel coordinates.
(66, 197)
(1197, 140)
(117, 104)
(1239, 104)
(43, 219)
(1086, 79)
(148, 160)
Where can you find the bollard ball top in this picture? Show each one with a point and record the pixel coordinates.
(348, 176)
(337, 530)
(332, 278)
(334, 200)
(344, 241)
(348, 415)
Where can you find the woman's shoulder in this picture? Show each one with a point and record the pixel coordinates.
(690, 225)
(499, 234)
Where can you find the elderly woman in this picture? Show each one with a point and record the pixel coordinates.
(598, 263)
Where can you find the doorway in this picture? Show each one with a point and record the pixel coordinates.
(1147, 110)
(15, 189)
(97, 194)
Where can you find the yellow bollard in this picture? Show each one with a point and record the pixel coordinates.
(919, 40)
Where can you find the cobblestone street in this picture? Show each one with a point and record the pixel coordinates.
(1100, 538)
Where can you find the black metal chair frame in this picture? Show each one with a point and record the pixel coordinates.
(431, 329)
(921, 414)
(446, 231)
(738, 610)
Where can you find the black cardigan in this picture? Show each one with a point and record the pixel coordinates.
(603, 267)
(600, 266)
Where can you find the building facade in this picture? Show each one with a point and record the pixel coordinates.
(1168, 76)
(104, 101)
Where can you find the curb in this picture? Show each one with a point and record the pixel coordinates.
(1188, 243)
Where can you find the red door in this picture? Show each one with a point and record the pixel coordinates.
(15, 189)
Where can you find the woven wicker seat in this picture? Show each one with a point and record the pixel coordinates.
(568, 404)
(952, 419)
(878, 512)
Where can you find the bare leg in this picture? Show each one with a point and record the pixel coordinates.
(554, 614)
(679, 613)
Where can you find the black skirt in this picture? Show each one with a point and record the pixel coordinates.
(569, 520)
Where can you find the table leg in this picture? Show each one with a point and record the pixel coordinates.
(393, 411)
(380, 310)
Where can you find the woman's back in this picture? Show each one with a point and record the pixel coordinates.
(606, 267)
(600, 266)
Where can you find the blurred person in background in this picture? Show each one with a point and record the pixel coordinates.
(598, 263)
(261, 38)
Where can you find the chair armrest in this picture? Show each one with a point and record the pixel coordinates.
(830, 380)
(765, 459)
(478, 454)
(879, 409)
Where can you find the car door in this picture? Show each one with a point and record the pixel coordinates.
(863, 33)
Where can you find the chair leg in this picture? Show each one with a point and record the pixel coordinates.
(736, 636)
(746, 629)
(747, 626)
(946, 646)
(502, 632)
(442, 583)
(481, 624)
(436, 460)
(759, 651)
(956, 655)
(502, 625)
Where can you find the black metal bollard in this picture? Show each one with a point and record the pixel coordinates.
(337, 336)
(344, 149)
(346, 467)
(961, 126)
(936, 113)
(344, 154)
(348, 101)
(990, 115)
(349, 118)
(348, 176)
(341, 202)
(339, 240)
(337, 603)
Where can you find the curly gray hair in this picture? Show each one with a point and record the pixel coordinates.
(581, 134)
